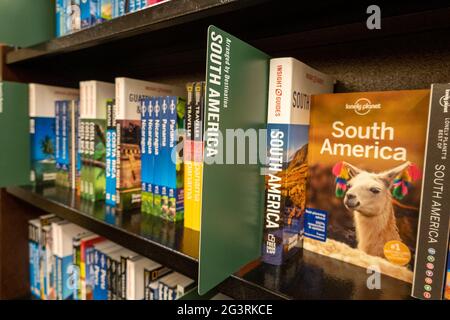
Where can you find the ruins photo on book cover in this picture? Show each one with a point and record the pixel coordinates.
(365, 160)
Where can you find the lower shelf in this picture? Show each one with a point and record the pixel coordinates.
(306, 276)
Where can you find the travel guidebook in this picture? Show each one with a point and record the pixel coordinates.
(365, 158)
(291, 84)
(42, 129)
(432, 239)
(129, 94)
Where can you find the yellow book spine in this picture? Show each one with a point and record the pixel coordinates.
(188, 205)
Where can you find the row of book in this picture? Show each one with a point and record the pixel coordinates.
(122, 143)
(69, 262)
(359, 177)
(75, 15)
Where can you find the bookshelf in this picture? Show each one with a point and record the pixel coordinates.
(308, 276)
(167, 44)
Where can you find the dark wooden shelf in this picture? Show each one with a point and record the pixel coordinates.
(148, 20)
(167, 243)
(307, 276)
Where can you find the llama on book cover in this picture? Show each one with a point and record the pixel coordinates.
(365, 159)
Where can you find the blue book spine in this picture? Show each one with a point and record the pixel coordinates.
(86, 13)
(58, 18)
(64, 277)
(57, 136)
(96, 275)
(64, 138)
(165, 157)
(111, 135)
(121, 7)
(131, 6)
(151, 150)
(144, 152)
(100, 291)
(108, 155)
(157, 167)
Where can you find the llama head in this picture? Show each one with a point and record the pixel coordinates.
(367, 192)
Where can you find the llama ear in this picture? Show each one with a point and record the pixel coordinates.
(389, 175)
(352, 170)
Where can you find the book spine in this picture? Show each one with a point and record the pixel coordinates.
(103, 277)
(123, 278)
(85, 9)
(110, 152)
(57, 142)
(187, 153)
(59, 278)
(277, 144)
(151, 154)
(87, 286)
(157, 169)
(118, 161)
(84, 164)
(199, 94)
(76, 256)
(64, 143)
(96, 275)
(164, 157)
(32, 258)
(58, 18)
(144, 154)
(433, 230)
(109, 279)
(175, 172)
(90, 158)
(146, 285)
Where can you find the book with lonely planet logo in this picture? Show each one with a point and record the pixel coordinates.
(365, 159)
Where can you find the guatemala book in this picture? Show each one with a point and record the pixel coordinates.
(291, 84)
(365, 158)
(42, 129)
(129, 93)
(433, 232)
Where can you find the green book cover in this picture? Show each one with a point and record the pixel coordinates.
(233, 194)
(15, 162)
(98, 160)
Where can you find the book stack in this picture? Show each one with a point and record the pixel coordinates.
(94, 96)
(162, 119)
(69, 262)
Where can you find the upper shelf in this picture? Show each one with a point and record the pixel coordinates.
(181, 28)
(151, 19)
